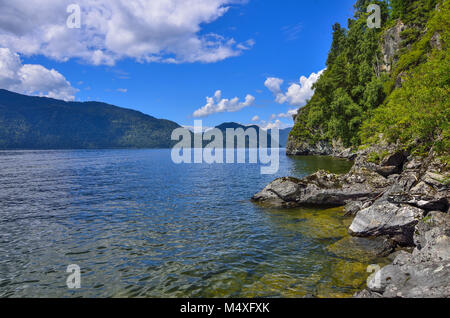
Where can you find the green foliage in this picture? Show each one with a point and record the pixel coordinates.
(375, 157)
(356, 103)
(446, 181)
(350, 86)
(28, 122)
(418, 113)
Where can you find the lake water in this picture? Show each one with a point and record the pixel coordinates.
(140, 226)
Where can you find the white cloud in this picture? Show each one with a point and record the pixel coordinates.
(274, 124)
(32, 79)
(297, 94)
(289, 114)
(122, 90)
(274, 85)
(145, 30)
(217, 104)
(255, 118)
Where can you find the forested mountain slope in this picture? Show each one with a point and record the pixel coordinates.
(28, 122)
(389, 84)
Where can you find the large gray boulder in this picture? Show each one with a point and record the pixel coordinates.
(322, 189)
(384, 218)
(423, 274)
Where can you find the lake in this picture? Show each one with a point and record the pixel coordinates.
(139, 225)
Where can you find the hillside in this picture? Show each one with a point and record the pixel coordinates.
(28, 122)
(390, 83)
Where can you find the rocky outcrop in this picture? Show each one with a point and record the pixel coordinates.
(426, 272)
(322, 189)
(398, 198)
(384, 218)
(336, 149)
(390, 46)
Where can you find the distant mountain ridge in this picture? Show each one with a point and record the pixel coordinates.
(29, 122)
(284, 133)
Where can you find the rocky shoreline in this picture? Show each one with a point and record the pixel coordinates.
(400, 198)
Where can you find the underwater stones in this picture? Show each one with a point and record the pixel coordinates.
(384, 218)
(366, 249)
(348, 273)
(276, 285)
(322, 225)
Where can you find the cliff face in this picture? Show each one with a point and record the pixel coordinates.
(375, 85)
(316, 142)
(390, 45)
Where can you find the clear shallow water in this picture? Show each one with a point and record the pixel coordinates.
(140, 226)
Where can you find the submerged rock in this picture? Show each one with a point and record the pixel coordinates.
(366, 249)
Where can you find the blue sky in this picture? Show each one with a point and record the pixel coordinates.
(283, 39)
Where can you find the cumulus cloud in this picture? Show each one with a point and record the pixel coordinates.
(297, 94)
(255, 118)
(217, 104)
(289, 114)
(32, 79)
(274, 85)
(122, 90)
(274, 124)
(145, 30)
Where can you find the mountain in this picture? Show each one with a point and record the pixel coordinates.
(388, 84)
(28, 122)
(284, 133)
